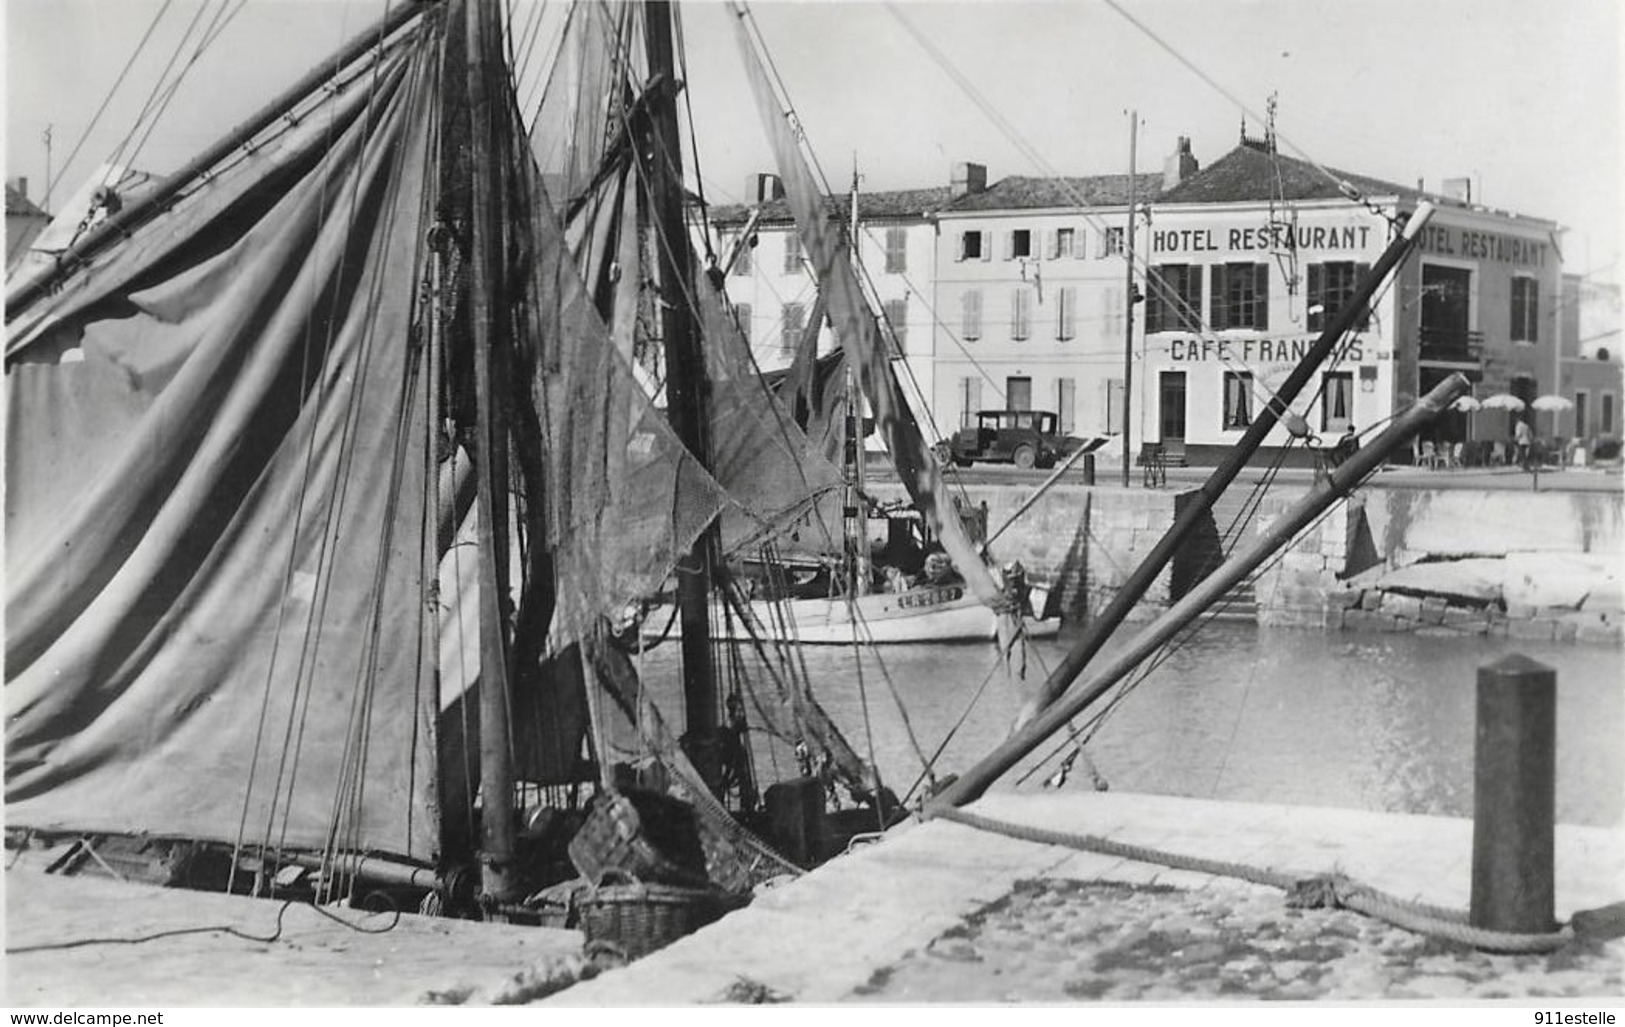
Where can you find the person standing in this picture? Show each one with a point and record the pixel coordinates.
(1521, 441)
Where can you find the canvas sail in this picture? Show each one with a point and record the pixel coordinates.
(214, 598)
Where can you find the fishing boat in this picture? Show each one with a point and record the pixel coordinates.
(333, 459)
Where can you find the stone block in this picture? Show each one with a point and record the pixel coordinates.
(1565, 630)
(1332, 619)
(1540, 630)
(1433, 610)
(1371, 599)
(1344, 598)
(1407, 607)
(1607, 634)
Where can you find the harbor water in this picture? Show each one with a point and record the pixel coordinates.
(1362, 721)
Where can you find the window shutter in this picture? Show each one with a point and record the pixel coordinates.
(1315, 293)
(1360, 272)
(986, 239)
(1261, 296)
(1009, 245)
(1153, 301)
(1218, 314)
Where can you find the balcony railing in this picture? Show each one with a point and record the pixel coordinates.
(1452, 344)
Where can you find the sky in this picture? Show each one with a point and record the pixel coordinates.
(1524, 99)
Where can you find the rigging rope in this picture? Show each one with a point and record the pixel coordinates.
(1304, 890)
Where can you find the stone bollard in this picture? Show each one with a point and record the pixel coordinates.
(1514, 796)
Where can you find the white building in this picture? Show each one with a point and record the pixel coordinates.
(1030, 297)
(773, 291)
(1251, 256)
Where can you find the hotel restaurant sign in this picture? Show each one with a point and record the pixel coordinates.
(1279, 237)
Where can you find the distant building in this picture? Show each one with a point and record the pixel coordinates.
(1590, 373)
(1015, 294)
(1251, 257)
(1030, 297)
(24, 221)
(772, 289)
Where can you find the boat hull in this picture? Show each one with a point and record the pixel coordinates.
(945, 613)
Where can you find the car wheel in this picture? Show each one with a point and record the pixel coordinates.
(1025, 457)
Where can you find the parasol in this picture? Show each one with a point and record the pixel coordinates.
(1502, 401)
(1465, 404)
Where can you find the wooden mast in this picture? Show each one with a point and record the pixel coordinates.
(686, 383)
(487, 324)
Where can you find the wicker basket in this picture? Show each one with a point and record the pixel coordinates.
(645, 836)
(641, 917)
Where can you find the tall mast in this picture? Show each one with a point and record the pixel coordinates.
(1128, 290)
(488, 328)
(856, 517)
(686, 384)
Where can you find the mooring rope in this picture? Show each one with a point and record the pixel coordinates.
(1304, 891)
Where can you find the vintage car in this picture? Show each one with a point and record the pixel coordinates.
(1026, 438)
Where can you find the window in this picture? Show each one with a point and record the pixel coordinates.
(792, 253)
(970, 400)
(1238, 399)
(1066, 313)
(1525, 309)
(896, 250)
(1111, 317)
(1066, 402)
(1581, 401)
(897, 321)
(1605, 414)
(1020, 244)
(1018, 393)
(1336, 401)
(742, 247)
(742, 316)
(792, 322)
(970, 315)
(1021, 313)
(1065, 243)
(973, 246)
(1240, 296)
(1112, 242)
(1331, 285)
(1111, 411)
(1174, 300)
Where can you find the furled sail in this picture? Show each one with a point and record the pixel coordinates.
(859, 337)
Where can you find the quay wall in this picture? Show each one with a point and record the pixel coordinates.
(1533, 565)
(1542, 566)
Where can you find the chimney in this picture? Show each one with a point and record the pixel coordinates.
(762, 187)
(1180, 165)
(968, 178)
(21, 186)
(1457, 189)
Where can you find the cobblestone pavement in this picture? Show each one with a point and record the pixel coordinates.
(1058, 940)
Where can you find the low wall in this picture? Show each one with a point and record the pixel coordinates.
(1083, 540)
(1542, 566)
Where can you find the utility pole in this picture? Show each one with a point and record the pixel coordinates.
(1128, 292)
(46, 204)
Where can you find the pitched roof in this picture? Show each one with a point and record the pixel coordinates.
(1022, 192)
(17, 203)
(1249, 173)
(896, 203)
